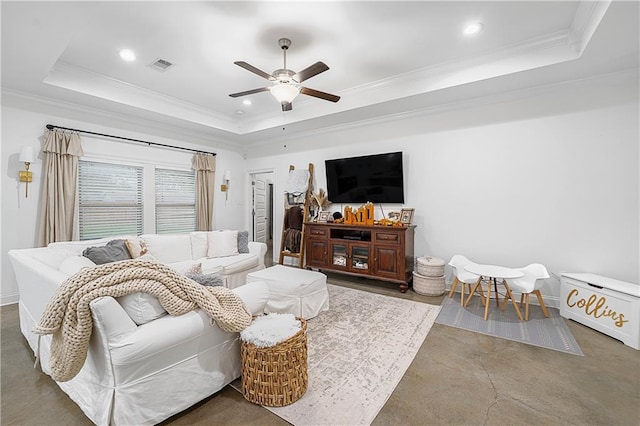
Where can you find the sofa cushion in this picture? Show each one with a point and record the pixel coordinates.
(255, 296)
(53, 258)
(199, 244)
(169, 248)
(222, 243)
(79, 246)
(111, 252)
(230, 264)
(141, 307)
(243, 241)
(72, 265)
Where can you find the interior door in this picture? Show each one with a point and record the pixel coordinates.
(259, 210)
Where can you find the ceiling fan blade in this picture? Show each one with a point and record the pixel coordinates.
(319, 94)
(254, 70)
(287, 106)
(310, 71)
(249, 92)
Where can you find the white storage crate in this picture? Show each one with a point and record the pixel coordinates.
(607, 305)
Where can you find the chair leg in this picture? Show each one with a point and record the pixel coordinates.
(482, 294)
(541, 302)
(472, 292)
(462, 293)
(453, 286)
(488, 300)
(526, 309)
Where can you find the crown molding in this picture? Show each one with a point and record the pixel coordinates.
(74, 111)
(272, 143)
(536, 52)
(90, 83)
(585, 22)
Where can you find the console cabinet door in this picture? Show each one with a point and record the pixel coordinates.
(388, 261)
(317, 251)
(339, 256)
(360, 259)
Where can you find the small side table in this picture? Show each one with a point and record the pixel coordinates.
(494, 273)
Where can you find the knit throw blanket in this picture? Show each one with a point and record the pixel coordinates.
(68, 316)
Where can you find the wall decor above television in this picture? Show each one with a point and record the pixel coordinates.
(377, 178)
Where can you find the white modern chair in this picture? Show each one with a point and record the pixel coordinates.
(462, 276)
(530, 282)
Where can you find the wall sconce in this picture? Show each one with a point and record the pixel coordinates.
(27, 156)
(225, 186)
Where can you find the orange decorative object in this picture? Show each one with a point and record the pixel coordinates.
(363, 215)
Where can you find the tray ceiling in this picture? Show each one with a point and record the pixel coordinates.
(379, 54)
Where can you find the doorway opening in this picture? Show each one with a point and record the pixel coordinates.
(262, 210)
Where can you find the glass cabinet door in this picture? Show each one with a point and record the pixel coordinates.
(339, 255)
(360, 258)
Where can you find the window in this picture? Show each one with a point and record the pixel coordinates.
(110, 200)
(175, 201)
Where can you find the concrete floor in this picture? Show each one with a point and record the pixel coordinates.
(458, 377)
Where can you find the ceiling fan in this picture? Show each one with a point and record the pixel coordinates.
(286, 83)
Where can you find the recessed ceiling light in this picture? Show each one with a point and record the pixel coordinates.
(247, 102)
(472, 28)
(127, 55)
(239, 112)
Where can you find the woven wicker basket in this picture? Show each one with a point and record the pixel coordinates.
(428, 286)
(430, 266)
(277, 375)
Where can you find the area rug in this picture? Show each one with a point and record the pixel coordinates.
(358, 351)
(551, 333)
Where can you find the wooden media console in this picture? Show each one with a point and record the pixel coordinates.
(379, 252)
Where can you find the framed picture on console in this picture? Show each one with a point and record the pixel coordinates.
(406, 216)
(324, 216)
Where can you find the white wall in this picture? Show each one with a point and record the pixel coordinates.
(21, 127)
(547, 175)
(550, 178)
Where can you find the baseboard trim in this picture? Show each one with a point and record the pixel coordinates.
(9, 299)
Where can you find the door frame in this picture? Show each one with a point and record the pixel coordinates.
(271, 212)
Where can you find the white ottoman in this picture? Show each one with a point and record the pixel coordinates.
(294, 291)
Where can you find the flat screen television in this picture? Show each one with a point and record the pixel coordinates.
(376, 178)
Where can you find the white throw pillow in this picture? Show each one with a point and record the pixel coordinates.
(222, 243)
(199, 244)
(168, 248)
(73, 265)
(141, 307)
(188, 267)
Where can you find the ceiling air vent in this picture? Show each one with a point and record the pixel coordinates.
(161, 65)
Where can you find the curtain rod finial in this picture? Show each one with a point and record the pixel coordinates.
(50, 126)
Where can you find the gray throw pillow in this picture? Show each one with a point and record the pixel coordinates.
(113, 251)
(206, 279)
(243, 241)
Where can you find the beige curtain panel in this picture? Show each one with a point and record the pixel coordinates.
(205, 167)
(58, 196)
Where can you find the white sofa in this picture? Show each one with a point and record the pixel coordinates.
(141, 370)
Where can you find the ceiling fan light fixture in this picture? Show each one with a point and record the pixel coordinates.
(284, 92)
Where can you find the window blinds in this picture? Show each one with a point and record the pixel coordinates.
(110, 200)
(175, 201)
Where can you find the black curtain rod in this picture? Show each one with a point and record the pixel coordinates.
(51, 127)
